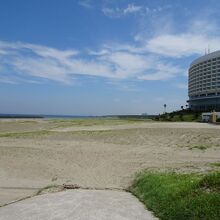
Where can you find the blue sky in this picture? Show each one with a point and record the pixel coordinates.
(98, 57)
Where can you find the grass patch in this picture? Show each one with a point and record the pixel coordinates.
(174, 196)
(95, 121)
(24, 134)
(217, 164)
(49, 189)
(179, 117)
(199, 146)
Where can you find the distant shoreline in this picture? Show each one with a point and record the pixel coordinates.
(15, 116)
(27, 116)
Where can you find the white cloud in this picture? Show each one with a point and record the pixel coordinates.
(114, 47)
(98, 53)
(203, 26)
(43, 68)
(6, 80)
(110, 12)
(48, 63)
(162, 71)
(131, 8)
(110, 62)
(127, 64)
(191, 39)
(142, 60)
(43, 51)
(119, 12)
(178, 45)
(50, 52)
(86, 4)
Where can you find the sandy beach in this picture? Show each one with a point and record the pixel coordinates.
(98, 153)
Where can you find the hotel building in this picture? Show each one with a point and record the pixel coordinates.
(204, 83)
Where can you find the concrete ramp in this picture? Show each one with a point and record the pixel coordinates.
(78, 205)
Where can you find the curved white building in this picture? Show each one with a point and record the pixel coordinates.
(204, 83)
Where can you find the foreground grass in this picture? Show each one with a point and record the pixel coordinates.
(180, 196)
(216, 164)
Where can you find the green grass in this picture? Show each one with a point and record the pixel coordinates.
(174, 196)
(217, 164)
(24, 134)
(199, 146)
(49, 189)
(178, 117)
(95, 121)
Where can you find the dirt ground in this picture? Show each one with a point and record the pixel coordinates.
(98, 153)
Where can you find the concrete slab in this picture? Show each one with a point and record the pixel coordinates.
(78, 205)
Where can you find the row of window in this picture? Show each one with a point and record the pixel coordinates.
(209, 77)
(202, 66)
(206, 94)
(205, 73)
(209, 62)
(205, 69)
(204, 85)
(209, 70)
(204, 77)
(204, 88)
(208, 74)
(217, 88)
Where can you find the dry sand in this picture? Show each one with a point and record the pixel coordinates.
(98, 153)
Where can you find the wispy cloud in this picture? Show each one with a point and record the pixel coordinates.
(181, 85)
(116, 12)
(170, 41)
(178, 45)
(131, 8)
(98, 53)
(162, 71)
(146, 58)
(41, 62)
(119, 12)
(86, 4)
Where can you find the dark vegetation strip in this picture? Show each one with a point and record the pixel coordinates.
(9, 116)
(174, 196)
(25, 134)
(216, 164)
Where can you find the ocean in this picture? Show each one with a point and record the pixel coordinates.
(44, 116)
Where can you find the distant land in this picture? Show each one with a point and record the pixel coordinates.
(20, 116)
(71, 116)
(42, 116)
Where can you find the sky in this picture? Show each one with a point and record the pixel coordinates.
(101, 57)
